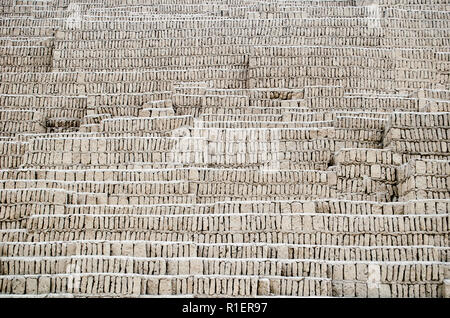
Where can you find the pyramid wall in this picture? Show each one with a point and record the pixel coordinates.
(236, 148)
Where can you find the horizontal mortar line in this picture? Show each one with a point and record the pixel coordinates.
(417, 281)
(243, 244)
(164, 276)
(135, 206)
(137, 182)
(35, 95)
(225, 259)
(224, 276)
(109, 295)
(443, 215)
(325, 200)
(143, 170)
(32, 232)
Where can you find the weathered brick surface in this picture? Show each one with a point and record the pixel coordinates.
(229, 148)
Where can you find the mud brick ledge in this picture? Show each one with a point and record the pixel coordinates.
(236, 148)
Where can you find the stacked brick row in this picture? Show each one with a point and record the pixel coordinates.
(424, 179)
(418, 135)
(367, 174)
(234, 148)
